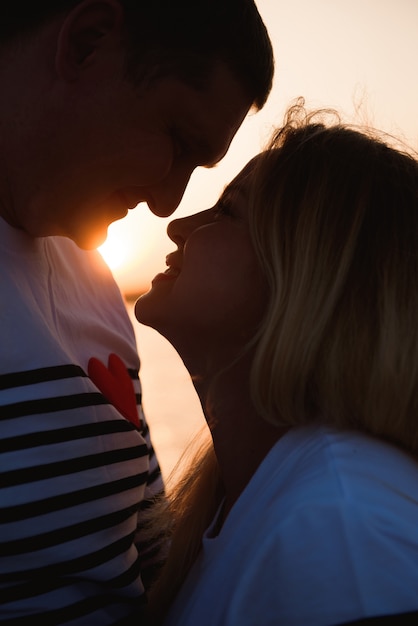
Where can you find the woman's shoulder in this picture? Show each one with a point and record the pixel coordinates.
(313, 469)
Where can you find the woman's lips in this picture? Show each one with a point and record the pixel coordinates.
(170, 274)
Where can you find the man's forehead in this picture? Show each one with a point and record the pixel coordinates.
(209, 118)
(212, 137)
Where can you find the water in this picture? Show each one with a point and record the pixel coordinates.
(170, 402)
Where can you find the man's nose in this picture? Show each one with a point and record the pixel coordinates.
(167, 196)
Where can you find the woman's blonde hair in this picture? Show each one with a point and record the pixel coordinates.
(334, 220)
(333, 213)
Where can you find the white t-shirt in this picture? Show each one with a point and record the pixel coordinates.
(74, 473)
(325, 532)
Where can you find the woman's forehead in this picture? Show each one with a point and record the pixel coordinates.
(245, 175)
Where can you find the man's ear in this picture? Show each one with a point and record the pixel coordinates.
(91, 27)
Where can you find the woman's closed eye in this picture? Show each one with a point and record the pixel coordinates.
(224, 208)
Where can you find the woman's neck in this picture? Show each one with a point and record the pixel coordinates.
(241, 437)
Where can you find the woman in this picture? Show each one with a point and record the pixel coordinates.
(293, 303)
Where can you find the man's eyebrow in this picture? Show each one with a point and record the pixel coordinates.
(209, 155)
(213, 161)
(211, 166)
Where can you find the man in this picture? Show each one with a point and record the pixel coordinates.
(105, 104)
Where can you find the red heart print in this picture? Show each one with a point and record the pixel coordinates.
(116, 385)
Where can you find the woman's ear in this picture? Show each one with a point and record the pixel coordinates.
(88, 30)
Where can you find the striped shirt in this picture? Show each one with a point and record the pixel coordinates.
(74, 473)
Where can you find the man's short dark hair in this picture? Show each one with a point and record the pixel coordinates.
(181, 37)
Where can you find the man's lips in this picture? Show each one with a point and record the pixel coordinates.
(131, 199)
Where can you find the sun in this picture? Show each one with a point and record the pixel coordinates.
(114, 251)
(135, 249)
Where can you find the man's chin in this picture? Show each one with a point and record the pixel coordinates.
(89, 240)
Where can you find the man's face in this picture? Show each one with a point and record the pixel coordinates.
(119, 146)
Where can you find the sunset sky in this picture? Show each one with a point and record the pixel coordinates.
(358, 56)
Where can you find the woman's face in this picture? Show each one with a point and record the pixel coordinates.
(211, 298)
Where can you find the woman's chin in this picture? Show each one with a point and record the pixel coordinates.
(147, 311)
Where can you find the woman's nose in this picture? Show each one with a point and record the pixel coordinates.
(180, 229)
(175, 231)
